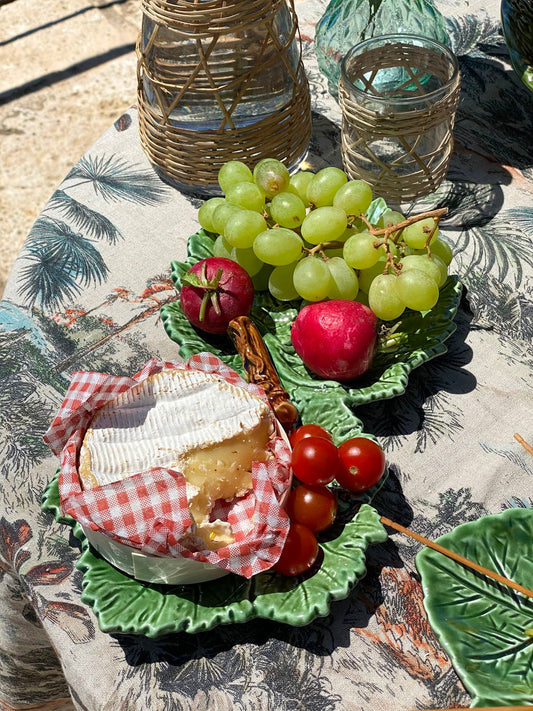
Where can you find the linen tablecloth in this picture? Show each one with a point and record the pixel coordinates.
(85, 294)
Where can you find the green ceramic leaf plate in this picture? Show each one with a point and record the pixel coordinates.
(324, 402)
(485, 627)
(125, 605)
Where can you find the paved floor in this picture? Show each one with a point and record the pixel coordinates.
(67, 70)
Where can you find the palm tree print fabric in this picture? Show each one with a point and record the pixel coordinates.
(85, 294)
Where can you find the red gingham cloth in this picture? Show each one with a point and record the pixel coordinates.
(148, 510)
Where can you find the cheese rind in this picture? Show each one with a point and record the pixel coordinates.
(187, 420)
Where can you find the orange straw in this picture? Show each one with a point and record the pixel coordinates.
(523, 442)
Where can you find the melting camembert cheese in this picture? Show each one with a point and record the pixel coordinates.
(187, 420)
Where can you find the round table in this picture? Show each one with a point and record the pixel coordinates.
(85, 294)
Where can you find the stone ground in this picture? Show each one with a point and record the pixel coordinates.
(67, 71)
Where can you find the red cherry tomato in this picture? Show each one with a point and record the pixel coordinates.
(308, 431)
(299, 552)
(315, 461)
(362, 464)
(314, 506)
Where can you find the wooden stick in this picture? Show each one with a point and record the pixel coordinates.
(523, 442)
(459, 558)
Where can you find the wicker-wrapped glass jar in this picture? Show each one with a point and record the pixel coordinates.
(398, 95)
(220, 80)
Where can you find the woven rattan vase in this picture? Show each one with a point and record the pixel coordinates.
(398, 95)
(220, 80)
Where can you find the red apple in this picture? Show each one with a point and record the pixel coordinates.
(336, 339)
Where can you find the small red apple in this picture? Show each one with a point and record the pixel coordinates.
(214, 291)
(336, 339)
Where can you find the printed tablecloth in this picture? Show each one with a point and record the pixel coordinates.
(85, 294)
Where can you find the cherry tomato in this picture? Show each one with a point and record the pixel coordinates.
(299, 552)
(362, 464)
(308, 431)
(315, 461)
(314, 506)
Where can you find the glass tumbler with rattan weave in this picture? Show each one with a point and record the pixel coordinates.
(398, 95)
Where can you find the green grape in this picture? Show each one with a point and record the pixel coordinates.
(325, 224)
(406, 251)
(242, 228)
(260, 280)
(367, 276)
(278, 246)
(221, 215)
(271, 176)
(233, 172)
(312, 279)
(324, 184)
(299, 182)
(221, 248)
(247, 259)
(359, 251)
(443, 270)
(389, 218)
(433, 266)
(344, 283)
(442, 249)
(417, 290)
(362, 298)
(384, 298)
(354, 197)
(287, 210)
(416, 234)
(358, 225)
(205, 213)
(335, 252)
(348, 232)
(280, 283)
(246, 195)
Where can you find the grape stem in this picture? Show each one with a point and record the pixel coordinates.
(387, 233)
(319, 248)
(397, 230)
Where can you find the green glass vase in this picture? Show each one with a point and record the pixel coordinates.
(345, 23)
(517, 25)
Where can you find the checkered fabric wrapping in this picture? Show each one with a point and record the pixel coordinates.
(149, 511)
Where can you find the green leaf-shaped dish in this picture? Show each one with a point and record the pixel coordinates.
(485, 627)
(324, 402)
(125, 605)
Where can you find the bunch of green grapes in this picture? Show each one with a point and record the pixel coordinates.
(305, 236)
